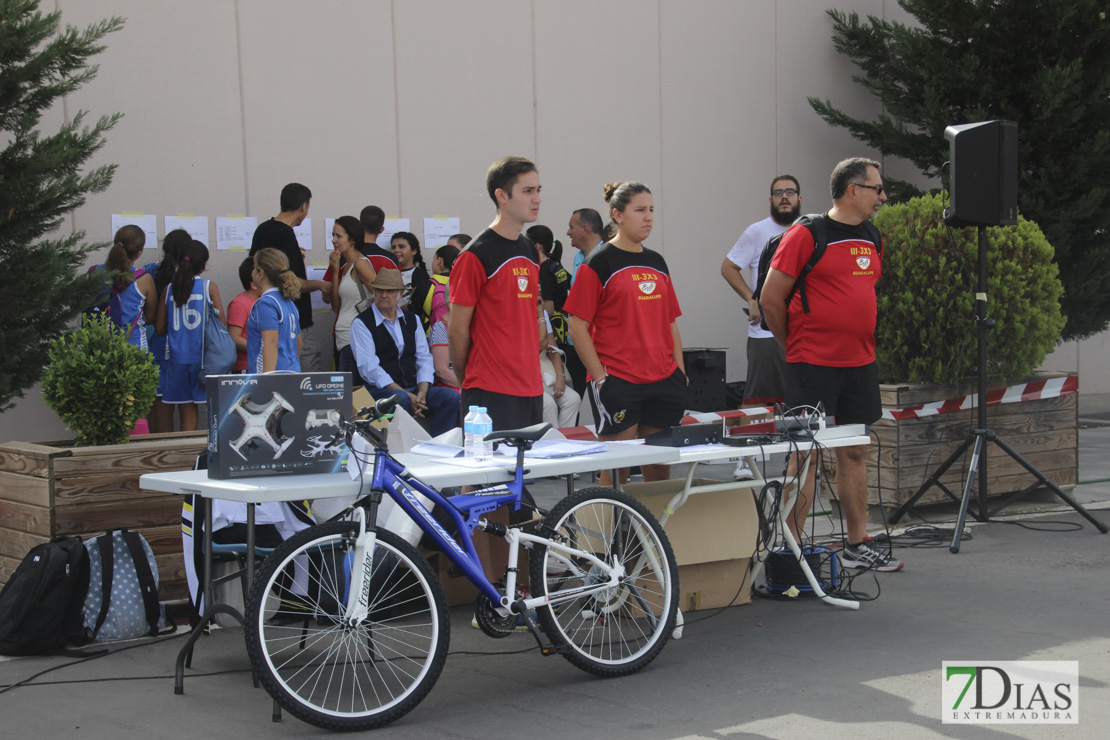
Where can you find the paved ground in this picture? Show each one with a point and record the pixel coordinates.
(1033, 588)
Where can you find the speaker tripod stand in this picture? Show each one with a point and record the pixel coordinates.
(980, 437)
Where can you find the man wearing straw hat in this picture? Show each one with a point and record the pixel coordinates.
(391, 351)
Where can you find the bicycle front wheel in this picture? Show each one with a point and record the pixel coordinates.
(617, 630)
(325, 672)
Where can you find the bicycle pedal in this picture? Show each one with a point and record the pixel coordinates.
(530, 623)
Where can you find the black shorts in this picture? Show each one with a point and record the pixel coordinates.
(507, 412)
(622, 404)
(851, 394)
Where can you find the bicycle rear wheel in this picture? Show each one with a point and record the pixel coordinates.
(324, 672)
(619, 630)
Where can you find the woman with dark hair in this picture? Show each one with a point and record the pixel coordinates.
(622, 317)
(406, 248)
(129, 296)
(182, 309)
(554, 280)
(173, 244)
(352, 273)
(274, 326)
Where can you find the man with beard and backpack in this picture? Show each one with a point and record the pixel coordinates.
(765, 383)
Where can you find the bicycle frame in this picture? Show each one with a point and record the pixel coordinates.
(391, 477)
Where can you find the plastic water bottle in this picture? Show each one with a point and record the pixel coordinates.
(470, 435)
(483, 425)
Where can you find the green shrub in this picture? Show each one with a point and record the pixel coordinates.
(98, 383)
(926, 331)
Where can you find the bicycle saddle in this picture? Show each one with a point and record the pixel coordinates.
(530, 434)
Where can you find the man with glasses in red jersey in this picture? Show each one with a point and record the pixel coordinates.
(830, 350)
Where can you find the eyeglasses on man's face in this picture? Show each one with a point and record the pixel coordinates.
(877, 188)
(784, 191)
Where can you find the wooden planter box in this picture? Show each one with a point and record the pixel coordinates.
(51, 488)
(1044, 432)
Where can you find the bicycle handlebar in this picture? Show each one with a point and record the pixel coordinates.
(381, 409)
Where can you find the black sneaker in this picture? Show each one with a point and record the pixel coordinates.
(865, 555)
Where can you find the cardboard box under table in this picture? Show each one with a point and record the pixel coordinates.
(713, 536)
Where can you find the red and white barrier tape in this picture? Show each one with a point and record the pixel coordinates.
(1035, 391)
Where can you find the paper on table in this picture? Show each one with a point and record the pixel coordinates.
(431, 448)
(702, 448)
(498, 461)
(552, 448)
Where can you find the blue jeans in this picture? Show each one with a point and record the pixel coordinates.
(443, 406)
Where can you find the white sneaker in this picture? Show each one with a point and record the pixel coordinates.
(743, 472)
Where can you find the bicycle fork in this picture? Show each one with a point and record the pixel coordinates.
(362, 563)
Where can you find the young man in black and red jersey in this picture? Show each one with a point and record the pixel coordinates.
(493, 330)
(830, 351)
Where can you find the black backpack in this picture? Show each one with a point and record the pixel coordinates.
(815, 222)
(40, 606)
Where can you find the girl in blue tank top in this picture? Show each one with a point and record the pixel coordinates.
(273, 327)
(173, 246)
(180, 317)
(129, 297)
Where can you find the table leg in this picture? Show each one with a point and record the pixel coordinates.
(250, 546)
(250, 570)
(185, 655)
(784, 511)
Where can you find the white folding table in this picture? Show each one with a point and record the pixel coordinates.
(436, 473)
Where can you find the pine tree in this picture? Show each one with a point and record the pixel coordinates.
(40, 182)
(1043, 64)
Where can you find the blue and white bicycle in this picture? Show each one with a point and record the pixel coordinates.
(347, 625)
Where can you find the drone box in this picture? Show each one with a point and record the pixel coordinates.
(276, 424)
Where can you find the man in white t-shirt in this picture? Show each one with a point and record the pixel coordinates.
(766, 379)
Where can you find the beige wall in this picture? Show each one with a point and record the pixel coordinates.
(405, 103)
